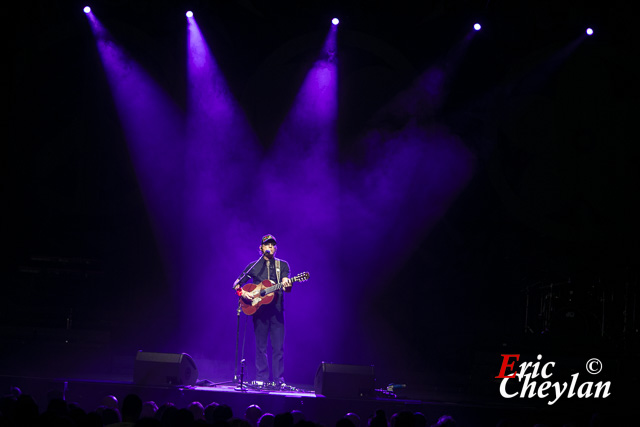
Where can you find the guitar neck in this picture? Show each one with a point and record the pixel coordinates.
(273, 288)
(298, 278)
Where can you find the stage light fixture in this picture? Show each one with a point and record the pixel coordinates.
(589, 31)
(87, 9)
(477, 26)
(335, 21)
(189, 14)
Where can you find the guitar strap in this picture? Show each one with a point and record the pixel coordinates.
(278, 270)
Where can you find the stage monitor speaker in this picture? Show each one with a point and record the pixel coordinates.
(334, 380)
(164, 369)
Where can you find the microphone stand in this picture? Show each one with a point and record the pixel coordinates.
(241, 387)
(235, 375)
(242, 277)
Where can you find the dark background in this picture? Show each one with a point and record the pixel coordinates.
(553, 201)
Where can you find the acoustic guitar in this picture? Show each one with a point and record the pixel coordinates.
(262, 292)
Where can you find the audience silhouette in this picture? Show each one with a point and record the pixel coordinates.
(21, 410)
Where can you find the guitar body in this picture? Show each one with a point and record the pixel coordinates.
(262, 293)
(248, 306)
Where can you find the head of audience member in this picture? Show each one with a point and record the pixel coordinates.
(131, 408)
(149, 409)
(266, 420)
(253, 414)
(208, 412)
(110, 416)
(445, 421)
(298, 416)
(197, 410)
(26, 408)
(379, 419)
(15, 391)
(419, 419)
(166, 412)
(354, 418)
(77, 414)
(109, 402)
(58, 407)
(222, 413)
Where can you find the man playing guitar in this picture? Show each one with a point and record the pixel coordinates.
(268, 320)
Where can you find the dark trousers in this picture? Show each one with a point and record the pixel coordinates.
(269, 323)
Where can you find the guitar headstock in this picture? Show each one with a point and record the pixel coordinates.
(302, 277)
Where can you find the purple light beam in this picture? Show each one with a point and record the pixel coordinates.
(301, 206)
(153, 130)
(219, 216)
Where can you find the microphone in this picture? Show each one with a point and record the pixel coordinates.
(267, 252)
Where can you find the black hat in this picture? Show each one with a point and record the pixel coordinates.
(269, 238)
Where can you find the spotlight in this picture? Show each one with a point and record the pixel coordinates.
(189, 14)
(477, 26)
(87, 9)
(335, 21)
(589, 31)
